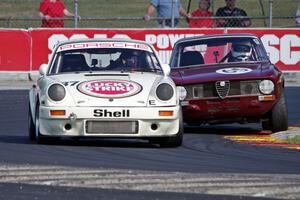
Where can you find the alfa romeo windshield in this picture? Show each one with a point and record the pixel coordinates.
(218, 50)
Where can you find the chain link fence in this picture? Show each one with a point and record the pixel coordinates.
(130, 14)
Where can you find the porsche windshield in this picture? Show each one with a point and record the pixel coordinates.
(218, 50)
(104, 59)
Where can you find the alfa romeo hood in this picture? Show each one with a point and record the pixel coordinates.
(210, 73)
(109, 89)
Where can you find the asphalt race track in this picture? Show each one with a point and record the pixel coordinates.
(207, 166)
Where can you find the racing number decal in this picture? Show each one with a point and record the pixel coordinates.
(234, 70)
(70, 83)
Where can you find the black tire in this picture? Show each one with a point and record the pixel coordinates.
(266, 124)
(174, 141)
(171, 141)
(38, 137)
(278, 117)
(31, 127)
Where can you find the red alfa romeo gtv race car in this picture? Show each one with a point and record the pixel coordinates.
(229, 78)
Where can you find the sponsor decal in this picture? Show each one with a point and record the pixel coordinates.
(109, 88)
(283, 49)
(107, 113)
(234, 70)
(89, 45)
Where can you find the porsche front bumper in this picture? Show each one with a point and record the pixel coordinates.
(110, 121)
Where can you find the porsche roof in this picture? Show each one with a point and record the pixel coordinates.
(101, 40)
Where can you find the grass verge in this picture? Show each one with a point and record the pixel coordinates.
(91, 9)
(294, 140)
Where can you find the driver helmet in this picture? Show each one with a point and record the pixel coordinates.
(130, 59)
(241, 51)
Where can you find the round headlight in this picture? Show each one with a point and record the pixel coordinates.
(56, 92)
(164, 92)
(181, 91)
(266, 86)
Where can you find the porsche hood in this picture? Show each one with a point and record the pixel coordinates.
(110, 89)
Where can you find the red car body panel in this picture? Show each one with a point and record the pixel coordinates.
(202, 74)
(209, 109)
(234, 108)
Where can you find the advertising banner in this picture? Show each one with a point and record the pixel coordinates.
(163, 40)
(14, 50)
(23, 50)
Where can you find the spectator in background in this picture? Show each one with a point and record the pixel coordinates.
(231, 11)
(298, 17)
(53, 9)
(164, 10)
(202, 11)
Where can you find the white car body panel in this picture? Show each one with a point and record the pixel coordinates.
(167, 126)
(142, 107)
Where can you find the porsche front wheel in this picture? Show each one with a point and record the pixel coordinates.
(172, 141)
(31, 126)
(38, 137)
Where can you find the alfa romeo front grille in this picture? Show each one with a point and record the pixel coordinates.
(215, 90)
(222, 88)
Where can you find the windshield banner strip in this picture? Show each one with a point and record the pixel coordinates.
(93, 45)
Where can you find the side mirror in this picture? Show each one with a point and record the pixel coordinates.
(43, 69)
(166, 69)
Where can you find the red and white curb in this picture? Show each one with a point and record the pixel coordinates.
(267, 139)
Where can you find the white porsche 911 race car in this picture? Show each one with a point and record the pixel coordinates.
(105, 88)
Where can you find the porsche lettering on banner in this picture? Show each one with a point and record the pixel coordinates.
(89, 45)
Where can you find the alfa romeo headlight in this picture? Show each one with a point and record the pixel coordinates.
(266, 87)
(182, 93)
(164, 92)
(56, 92)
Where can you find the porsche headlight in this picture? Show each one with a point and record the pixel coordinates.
(56, 92)
(182, 93)
(164, 92)
(266, 87)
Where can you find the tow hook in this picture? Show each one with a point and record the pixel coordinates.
(73, 117)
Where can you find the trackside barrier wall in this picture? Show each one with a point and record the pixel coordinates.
(15, 51)
(25, 50)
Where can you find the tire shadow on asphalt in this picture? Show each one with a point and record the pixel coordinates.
(230, 129)
(94, 142)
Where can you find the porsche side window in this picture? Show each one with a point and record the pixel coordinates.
(55, 65)
(153, 62)
(73, 62)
